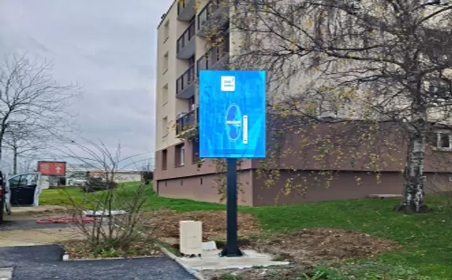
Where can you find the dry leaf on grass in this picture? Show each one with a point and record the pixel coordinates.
(165, 224)
(328, 244)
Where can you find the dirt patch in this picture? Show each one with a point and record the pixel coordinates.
(165, 224)
(310, 245)
(80, 249)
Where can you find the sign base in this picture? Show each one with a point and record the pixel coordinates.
(231, 249)
(235, 253)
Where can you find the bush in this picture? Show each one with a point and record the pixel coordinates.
(147, 176)
(94, 184)
(111, 235)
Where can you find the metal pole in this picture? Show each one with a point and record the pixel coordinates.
(231, 248)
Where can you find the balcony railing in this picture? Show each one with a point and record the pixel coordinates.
(209, 10)
(181, 5)
(186, 9)
(187, 121)
(185, 38)
(213, 56)
(185, 80)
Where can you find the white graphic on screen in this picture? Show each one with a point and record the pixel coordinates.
(233, 122)
(228, 83)
(245, 129)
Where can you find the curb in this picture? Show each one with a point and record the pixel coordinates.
(6, 273)
(190, 270)
(66, 258)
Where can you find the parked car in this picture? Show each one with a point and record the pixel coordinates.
(20, 190)
(76, 182)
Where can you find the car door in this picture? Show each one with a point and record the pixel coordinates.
(24, 189)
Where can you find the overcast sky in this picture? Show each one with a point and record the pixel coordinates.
(108, 46)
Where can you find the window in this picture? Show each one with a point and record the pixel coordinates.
(191, 61)
(165, 94)
(444, 140)
(165, 63)
(164, 159)
(165, 128)
(180, 155)
(166, 31)
(191, 103)
(195, 150)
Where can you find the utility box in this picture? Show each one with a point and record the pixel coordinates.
(190, 234)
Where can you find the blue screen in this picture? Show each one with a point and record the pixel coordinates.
(232, 114)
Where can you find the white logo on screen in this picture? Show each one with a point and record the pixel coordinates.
(227, 83)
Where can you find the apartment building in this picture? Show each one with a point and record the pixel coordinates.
(184, 49)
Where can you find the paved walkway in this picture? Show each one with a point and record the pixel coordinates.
(44, 262)
(21, 229)
(21, 261)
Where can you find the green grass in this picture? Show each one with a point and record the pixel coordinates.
(427, 238)
(59, 196)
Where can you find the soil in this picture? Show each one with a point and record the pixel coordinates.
(311, 245)
(305, 249)
(80, 249)
(165, 224)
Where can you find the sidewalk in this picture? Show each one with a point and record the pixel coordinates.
(21, 228)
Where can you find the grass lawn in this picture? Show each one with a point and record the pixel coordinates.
(427, 238)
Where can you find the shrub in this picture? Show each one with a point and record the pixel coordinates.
(94, 184)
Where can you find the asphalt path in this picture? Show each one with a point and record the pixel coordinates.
(45, 262)
(28, 224)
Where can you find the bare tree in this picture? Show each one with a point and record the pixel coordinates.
(118, 210)
(33, 106)
(24, 142)
(386, 60)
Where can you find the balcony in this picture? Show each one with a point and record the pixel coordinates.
(185, 84)
(187, 122)
(186, 46)
(215, 59)
(186, 10)
(214, 14)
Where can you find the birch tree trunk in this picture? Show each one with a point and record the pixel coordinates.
(413, 200)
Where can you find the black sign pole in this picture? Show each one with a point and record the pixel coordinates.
(231, 248)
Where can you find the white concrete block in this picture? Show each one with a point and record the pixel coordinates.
(209, 246)
(190, 233)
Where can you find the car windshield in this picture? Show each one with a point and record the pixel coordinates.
(24, 179)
